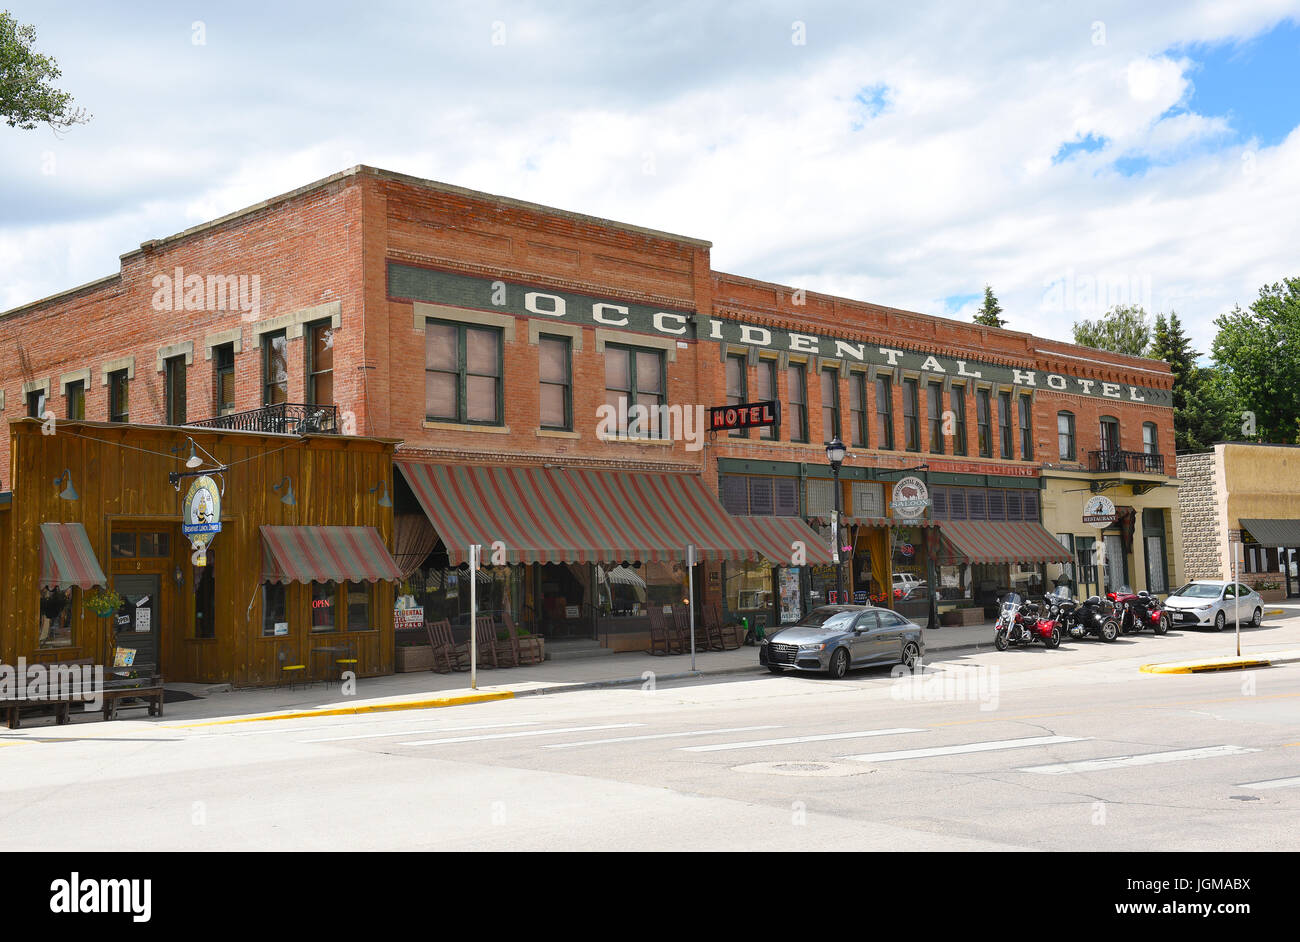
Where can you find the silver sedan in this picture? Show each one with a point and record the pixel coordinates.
(1214, 603)
(836, 638)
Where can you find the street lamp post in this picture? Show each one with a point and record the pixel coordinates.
(835, 452)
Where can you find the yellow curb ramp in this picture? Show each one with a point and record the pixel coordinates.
(1209, 664)
(426, 704)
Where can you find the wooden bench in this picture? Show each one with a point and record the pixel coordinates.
(62, 708)
(148, 690)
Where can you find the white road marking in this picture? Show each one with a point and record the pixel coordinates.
(826, 737)
(415, 732)
(1274, 783)
(1147, 758)
(531, 732)
(694, 732)
(961, 749)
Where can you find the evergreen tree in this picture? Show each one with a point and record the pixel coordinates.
(991, 311)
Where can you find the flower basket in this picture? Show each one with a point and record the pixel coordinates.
(102, 602)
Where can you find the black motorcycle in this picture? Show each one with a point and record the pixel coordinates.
(1093, 616)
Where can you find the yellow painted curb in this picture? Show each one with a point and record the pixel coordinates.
(1275, 611)
(366, 708)
(1213, 664)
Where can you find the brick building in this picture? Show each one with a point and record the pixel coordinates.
(487, 333)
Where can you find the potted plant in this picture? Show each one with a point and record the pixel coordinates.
(103, 602)
(1270, 590)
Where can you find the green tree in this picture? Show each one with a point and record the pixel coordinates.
(1259, 350)
(1122, 329)
(1204, 405)
(991, 311)
(27, 97)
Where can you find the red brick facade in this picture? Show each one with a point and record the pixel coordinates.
(324, 251)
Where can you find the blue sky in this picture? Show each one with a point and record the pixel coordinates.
(904, 155)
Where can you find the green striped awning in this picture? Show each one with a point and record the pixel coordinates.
(786, 541)
(324, 554)
(67, 559)
(999, 542)
(565, 515)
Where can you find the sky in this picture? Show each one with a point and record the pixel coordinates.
(1071, 155)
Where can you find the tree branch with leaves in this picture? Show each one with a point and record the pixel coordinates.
(27, 94)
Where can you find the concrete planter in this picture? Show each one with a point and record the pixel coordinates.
(532, 647)
(412, 658)
(962, 616)
(1272, 595)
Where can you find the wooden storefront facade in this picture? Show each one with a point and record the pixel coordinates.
(131, 514)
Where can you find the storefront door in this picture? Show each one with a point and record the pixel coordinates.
(1116, 569)
(1291, 570)
(137, 628)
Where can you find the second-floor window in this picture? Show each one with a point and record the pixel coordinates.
(555, 374)
(765, 388)
(634, 387)
(798, 403)
(885, 412)
(320, 364)
(1065, 435)
(77, 400)
(858, 409)
(223, 380)
(957, 403)
(830, 404)
(983, 424)
(119, 403)
(911, 418)
(1004, 424)
(275, 368)
(1109, 434)
(1026, 428)
(736, 392)
(462, 373)
(1149, 444)
(934, 415)
(36, 404)
(174, 389)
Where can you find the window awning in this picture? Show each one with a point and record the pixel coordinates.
(776, 538)
(324, 554)
(67, 559)
(1273, 532)
(999, 542)
(824, 520)
(563, 515)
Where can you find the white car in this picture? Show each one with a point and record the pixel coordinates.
(1214, 603)
(905, 581)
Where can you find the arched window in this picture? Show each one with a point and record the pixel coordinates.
(1065, 435)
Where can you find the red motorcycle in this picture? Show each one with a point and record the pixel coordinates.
(1140, 610)
(1022, 623)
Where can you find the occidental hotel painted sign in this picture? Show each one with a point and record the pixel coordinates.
(408, 282)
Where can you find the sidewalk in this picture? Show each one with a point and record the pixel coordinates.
(427, 689)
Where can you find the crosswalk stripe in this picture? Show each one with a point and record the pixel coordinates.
(530, 732)
(1146, 758)
(826, 737)
(693, 732)
(962, 749)
(1274, 783)
(414, 732)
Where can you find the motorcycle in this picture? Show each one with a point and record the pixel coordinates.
(1020, 622)
(1139, 611)
(1093, 616)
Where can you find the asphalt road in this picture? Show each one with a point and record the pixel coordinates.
(1024, 749)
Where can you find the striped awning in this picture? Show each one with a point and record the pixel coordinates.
(779, 539)
(324, 554)
(1273, 532)
(999, 542)
(565, 515)
(824, 520)
(67, 559)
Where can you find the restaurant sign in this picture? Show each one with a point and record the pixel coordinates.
(201, 516)
(1099, 511)
(413, 283)
(744, 415)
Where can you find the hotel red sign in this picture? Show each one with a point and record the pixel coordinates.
(744, 415)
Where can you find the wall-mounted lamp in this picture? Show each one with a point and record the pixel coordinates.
(287, 497)
(69, 492)
(385, 500)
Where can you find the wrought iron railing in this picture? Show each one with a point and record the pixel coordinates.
(1135, 461)
(289, 418)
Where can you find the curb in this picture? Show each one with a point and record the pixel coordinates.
(425, 704)
(1212, 664)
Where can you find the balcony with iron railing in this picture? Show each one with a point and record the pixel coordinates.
(1137, 462)
(285, 418)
